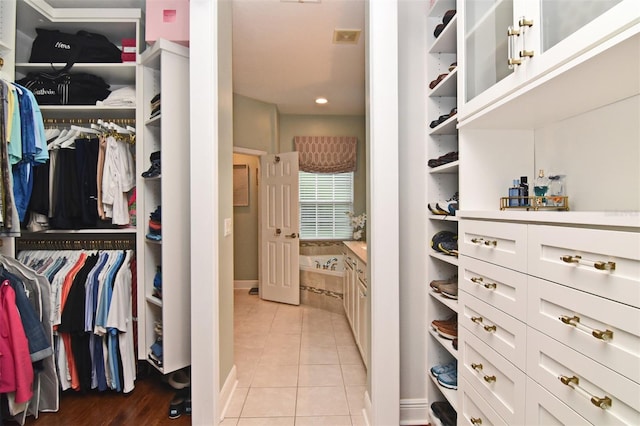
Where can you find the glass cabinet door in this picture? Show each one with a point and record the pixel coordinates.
(560, 18)
(486, 44)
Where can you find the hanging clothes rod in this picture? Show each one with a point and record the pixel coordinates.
(76, 244)
(119, 121)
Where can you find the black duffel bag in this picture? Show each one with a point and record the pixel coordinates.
(66, 88)
(52, 46)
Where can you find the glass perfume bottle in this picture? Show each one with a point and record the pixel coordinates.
(541, 186)
(556, 190)
(514, 192)
(524, 191)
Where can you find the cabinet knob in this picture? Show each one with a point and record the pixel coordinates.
(489, 379)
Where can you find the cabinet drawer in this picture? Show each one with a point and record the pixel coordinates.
(475, 410)
(502, 288)
(496, 379)
(550, 361)
(501, 243)
(549, 245)
(500, 331)
(577, 319)
(545, 409)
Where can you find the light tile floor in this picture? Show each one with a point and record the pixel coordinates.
(296, 365)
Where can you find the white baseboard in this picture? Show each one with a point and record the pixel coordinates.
(226, 393)
(245, 284)
(414, 412)
(367, 410)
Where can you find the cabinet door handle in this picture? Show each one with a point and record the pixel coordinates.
(512, 61)
(574, 383)
(477, 320)
(475, 420)
(598, 264)
(476, 367)
(490, 328)
(493, 243)
(525, 23)
(574, 321)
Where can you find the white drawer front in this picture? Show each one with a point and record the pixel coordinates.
(503, 288)
(550, 361)
(545, 409)
(549, 245)
(475, 410)
(501, 243)
(583, 321)
(502, 332)
(496, 379)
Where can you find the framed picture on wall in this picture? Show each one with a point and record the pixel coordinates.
(240, 185)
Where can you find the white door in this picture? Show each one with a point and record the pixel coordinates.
(279, 228)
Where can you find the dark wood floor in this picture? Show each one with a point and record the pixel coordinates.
(147, 404)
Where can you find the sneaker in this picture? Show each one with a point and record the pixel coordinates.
(176, 406)
(448, 331)
(442, 236)
(437, 370)
(449, 290)
(449, 206)
(445, 413)
(435, 210)
(179, 379)
(435, 284)
(453, 319)
(449, 380)
(449, 247)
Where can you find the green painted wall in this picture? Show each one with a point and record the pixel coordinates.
(255, 124)
(245, 225)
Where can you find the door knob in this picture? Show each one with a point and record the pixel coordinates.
(278, 231)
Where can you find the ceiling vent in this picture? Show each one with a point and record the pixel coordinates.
(346, 36)
(297, 1)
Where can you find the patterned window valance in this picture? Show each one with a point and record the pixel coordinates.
(326, 154)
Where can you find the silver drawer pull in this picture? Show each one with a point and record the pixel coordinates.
(480, 281)
(574, 321)
(485, 242)
(489, 379)
(475, 420)
(598, 264)
(574, 383)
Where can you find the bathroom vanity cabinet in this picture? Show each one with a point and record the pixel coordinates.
(355, 295)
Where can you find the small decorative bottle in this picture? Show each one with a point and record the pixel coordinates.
(540, 188)
(524, 191)
(514, 193)
(556, 190)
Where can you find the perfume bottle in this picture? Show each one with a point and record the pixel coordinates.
(556, 190)
(540, 187)
(514, 193)
(524, 191)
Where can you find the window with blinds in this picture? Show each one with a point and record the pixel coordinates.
(325, 200)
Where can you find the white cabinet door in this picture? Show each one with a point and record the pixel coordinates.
(363, 322)
(564, 29)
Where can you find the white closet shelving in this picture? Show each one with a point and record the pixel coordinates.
(442, 184)
(165, 70)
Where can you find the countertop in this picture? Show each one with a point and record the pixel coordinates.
(359, 248)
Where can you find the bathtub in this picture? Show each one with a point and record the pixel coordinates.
(308, 263)
(322, 288)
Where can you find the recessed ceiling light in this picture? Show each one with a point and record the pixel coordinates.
(321, 101)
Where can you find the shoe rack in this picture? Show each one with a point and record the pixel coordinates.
(442, 184)
(165, 317)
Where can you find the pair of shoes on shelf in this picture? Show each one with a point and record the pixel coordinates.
(435, 284)
(443, 159)
(454, 343)
(155, 169)
(445, 208)
(437, 81)
(179, 379)
(446, 374)
(445, 413)
(437, 370)
(445, 242)
(447, 328)
(448, 16)
(181, 403)
(443, 118)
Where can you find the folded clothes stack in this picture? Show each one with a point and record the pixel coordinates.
(155, 225)
(155, 106)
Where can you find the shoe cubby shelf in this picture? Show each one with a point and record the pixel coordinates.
(450, 395)
(450, 303)
(164, 71)
(448, 86)
(446, 343)
(442, 181)
(446, 168)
